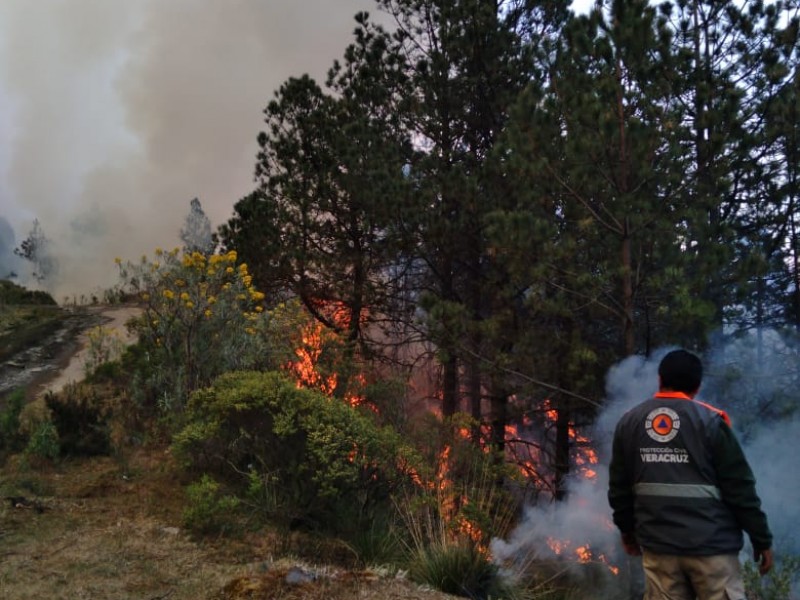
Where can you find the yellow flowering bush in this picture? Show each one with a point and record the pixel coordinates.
(202, 317)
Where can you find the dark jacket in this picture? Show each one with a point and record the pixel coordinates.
(680, 482)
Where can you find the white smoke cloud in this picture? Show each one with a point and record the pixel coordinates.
(116, 114)
(584, 518)
(755, 379)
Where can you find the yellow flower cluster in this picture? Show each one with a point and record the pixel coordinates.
(191, 285)
(195, 260)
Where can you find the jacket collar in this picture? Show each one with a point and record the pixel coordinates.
(682, 396)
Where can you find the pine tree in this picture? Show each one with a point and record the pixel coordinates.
(719, 80)
(37, 248)
(322, 224)
(466, 64)
(196, 233)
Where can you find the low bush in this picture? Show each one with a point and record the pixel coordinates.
(11, 439)
(458, 568)
(453, 515)
(80, 416)
(201, 317)
(11, 293)
(208, 510)
(778, 584)
(295, 454)
(43, 442)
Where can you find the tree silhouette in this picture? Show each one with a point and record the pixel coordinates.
(196, 232)
(36, 249)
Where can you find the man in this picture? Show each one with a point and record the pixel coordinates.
(682, 491)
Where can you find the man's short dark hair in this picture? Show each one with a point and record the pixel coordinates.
(681, 371)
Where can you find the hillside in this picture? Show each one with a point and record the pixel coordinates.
(110, 527)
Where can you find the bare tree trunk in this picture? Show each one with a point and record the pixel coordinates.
(562, 450)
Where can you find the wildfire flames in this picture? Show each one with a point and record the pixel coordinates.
(526, 453)
(306, 368)
(315, 338)
(582, 554)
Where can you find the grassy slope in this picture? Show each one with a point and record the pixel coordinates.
(110, 528)
(25, 325)
(25, 317)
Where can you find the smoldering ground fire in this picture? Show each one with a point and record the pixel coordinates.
(577, 533)
(754, 378)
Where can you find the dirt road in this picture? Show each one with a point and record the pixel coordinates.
(73, 369)
(61, 357)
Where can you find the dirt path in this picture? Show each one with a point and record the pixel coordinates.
(60, 358)
(73, 368)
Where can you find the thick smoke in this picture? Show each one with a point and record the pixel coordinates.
(584, 518)
(755, 379)
(116, 114)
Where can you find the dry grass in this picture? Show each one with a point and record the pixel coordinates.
(113, 532)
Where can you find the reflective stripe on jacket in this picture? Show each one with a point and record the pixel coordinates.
(664, 484)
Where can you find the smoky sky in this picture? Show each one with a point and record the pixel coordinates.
(115, 114)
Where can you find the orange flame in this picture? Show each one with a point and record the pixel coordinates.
(581, 554)
(314, 338)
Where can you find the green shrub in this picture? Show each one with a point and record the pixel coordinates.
(452, 517)
(43, 442)
(208, 510)
(10, 437)
(777, 585)
(201, 316)
(11, 293)
(377, 543)
(313, 460)
(80, 416)
(457, 568)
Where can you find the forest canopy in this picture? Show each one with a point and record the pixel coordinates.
(531, 195)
